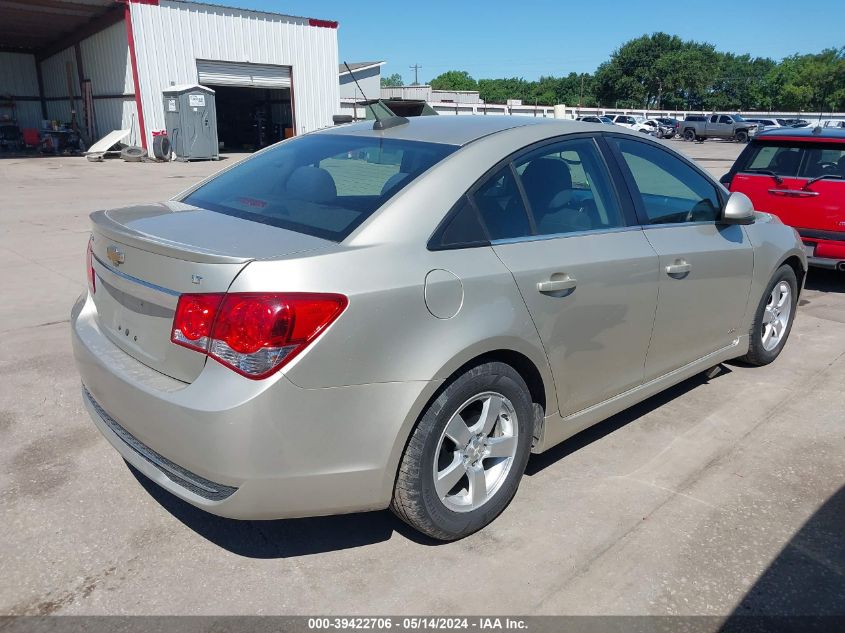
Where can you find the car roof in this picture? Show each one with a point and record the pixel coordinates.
(807, 134)
(460, 130)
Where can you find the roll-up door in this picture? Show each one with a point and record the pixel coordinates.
(242, 74)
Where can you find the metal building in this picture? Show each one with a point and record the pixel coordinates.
(108, 62)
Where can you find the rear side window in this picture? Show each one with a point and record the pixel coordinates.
(824, 160)
(568, 188)
(324, 185)
(500, 204)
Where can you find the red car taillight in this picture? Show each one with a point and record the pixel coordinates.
(253, 334)
(89, 266)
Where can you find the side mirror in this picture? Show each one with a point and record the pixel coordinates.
(738, 210)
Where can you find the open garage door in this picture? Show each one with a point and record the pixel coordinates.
(242, 74)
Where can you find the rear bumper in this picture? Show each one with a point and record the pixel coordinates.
(826, 253)
(241, 448)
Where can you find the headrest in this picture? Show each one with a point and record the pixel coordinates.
(313, 184)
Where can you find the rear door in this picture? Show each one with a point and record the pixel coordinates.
(704, 268)
(585, 270)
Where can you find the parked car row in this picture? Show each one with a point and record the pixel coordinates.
(661, 128)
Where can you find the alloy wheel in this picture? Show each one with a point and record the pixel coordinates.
(475, 452)
(776, 315)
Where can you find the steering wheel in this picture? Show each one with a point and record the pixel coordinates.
(829, 165)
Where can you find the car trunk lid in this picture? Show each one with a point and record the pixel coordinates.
(146, 256)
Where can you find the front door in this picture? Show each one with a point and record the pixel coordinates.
(705, 267)
(588, 278)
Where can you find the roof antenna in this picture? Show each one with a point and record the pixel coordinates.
(380, 124)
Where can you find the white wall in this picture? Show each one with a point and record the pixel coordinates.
(369, 80)
(169, 38)
(105, 61)
(18, 78)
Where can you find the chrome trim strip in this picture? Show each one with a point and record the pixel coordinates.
(554, 236)
(194, 483)
(135, 280)
(668, 225)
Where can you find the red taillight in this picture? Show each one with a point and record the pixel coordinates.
(254, 334)
(89, 266)
(194, 318)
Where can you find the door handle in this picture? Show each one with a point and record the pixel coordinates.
(793, 193)
(557, 285)
(680, 268)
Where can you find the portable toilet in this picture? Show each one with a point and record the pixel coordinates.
(190, 117)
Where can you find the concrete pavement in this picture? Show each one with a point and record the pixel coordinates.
(718, 496)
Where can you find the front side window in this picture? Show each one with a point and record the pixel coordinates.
(324, 185)
(568, 188)
(824, 160)
(725, 119)
(671, 191)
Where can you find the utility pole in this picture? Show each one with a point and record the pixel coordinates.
(415, 68)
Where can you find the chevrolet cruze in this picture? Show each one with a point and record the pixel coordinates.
(397, 314)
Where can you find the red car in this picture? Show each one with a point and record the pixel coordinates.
(799, 175)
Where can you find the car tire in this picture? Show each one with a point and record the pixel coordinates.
(486, 409)
(773, 318)
(689, 135)
(741, 136)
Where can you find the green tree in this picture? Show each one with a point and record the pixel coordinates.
(500, 90)
(391, 81)
(741, 83)
(632, 74)
(814, 82)
(454, 80)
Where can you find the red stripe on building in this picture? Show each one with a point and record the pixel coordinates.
(327, 24)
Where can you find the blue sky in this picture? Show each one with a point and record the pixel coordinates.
(507, 38)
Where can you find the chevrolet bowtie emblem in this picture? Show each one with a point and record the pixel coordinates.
(115, 255)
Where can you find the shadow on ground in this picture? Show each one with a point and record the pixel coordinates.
(805, 582)
(825, 280)
(608, 426)
(296, 537)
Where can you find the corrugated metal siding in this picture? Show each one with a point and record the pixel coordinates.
(105, 60)
(54, 72)
(18, 78)
(406, 92)
(17, 75)
(455, 96)
(169, 38)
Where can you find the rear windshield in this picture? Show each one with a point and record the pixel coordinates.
(324, 185)
(794, 159)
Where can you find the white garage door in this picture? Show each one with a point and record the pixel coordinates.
(241, 74)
